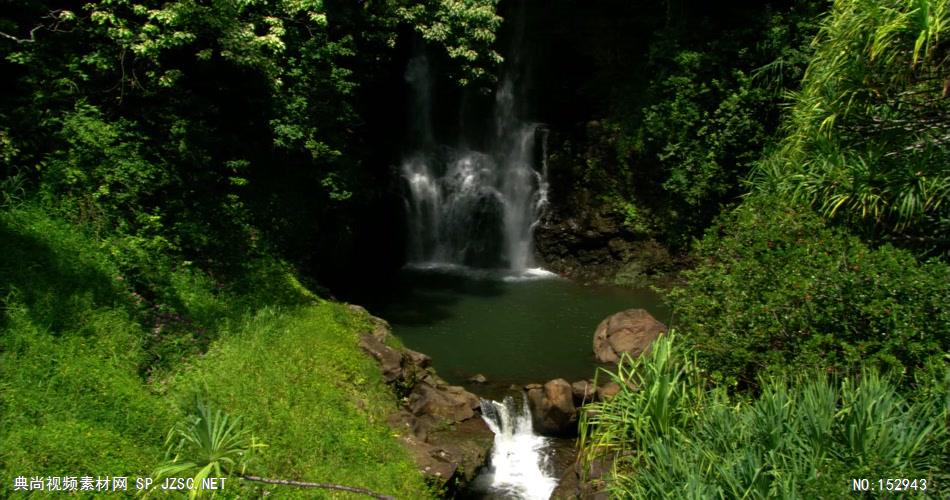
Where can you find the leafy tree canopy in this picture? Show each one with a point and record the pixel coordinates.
(199, 125)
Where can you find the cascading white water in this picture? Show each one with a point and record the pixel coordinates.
(519, 466)
(473, 207)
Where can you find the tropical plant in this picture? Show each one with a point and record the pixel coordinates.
(209, 443)
(805, 436)
(659, 392)
(868, 140)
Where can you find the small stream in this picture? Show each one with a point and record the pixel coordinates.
(513, 328)
(475, 301)
(521, 461)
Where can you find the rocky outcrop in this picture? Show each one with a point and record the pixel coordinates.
(555, 406)
(390, 360)
(583, 250)
(631, 332)
(587, 237)
(439, 424)
(448, 456)
(594, 247)
(552, 408)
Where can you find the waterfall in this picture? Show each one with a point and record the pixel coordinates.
(468, 207)
(519, 466)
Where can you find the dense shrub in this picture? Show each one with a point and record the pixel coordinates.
(697, 139)
(805, 436)
(776, 288)
(689, 124)
(866, 137)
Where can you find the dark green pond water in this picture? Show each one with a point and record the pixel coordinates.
(512, 330)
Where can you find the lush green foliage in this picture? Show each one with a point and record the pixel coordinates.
(94, 374)
(158, 162)
(465, 28)
(694, 142)
(867, 138)
(777, 289)
(773, 389)
(802, 437)
(216, 129)
(70, 353)
(304, 389)
(161, 161)
(687, 123)
(217, 442)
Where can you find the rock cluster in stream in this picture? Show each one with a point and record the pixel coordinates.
(439, 424)
(554, 405)
(630, 333)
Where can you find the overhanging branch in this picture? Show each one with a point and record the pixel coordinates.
(56, 17)
(32, 38)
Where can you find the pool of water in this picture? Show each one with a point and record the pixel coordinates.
(512, 329)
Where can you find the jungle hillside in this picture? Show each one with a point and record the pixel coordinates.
(195, 194)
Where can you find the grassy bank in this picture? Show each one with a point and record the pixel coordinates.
(94, 371)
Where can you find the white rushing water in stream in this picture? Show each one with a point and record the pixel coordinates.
(519, 465)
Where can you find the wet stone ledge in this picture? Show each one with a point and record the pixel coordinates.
(439, 424)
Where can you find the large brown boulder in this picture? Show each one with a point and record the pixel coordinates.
(451, 403)
(552, 408)
(631, 331)
(399, 365)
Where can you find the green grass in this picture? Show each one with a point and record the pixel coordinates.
(93, 373)
(318, 404)
(71, 398)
